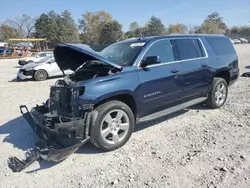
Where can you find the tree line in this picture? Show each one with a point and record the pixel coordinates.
(99, 28)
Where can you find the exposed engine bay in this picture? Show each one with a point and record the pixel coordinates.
(89, 70)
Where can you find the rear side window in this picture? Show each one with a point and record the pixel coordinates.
(163, 49)
(187, 49)
(220, 45)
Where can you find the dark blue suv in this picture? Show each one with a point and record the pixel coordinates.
(129, 81)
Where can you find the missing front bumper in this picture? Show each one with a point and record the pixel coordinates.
(50, 147)
(43, 151)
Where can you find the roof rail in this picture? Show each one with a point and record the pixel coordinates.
(141, 36)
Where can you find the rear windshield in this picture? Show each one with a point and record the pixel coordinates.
(123, 53)
(220, 45)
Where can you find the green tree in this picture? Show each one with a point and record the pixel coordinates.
(135, 33)
(7, 32)
(45, 26)
(69, 32)
(155, 27)
(177, 28)
(236, 30)
(213, 24)
(91, 24)
(245, 31)
(216, 19)
(210, 28)
(110, 32)
(133, 26)
(57, 28)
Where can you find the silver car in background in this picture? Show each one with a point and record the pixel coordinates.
(41, 70)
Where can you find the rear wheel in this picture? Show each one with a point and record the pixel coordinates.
(40, 75)
(113, 126)
(218, 94)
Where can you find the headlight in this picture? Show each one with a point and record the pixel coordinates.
(76, 92)
(30, 69)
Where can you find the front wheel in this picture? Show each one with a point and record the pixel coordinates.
(218, 94)
(113, 125)
(40, 75)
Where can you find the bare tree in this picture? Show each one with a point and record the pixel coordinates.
(23, 25)
(28, 24)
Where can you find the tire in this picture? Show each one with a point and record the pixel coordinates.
(108, 141)
(217, 90)
(40, 75)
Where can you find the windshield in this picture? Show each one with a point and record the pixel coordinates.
(123, 53)
(44, 59)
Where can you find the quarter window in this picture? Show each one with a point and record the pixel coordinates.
(187, 49)
(162, 49)
(220, 45)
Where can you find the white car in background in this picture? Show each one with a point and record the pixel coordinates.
(2, 44)
(237, 41)
(243, 40)
(41, 70)
(34, 58)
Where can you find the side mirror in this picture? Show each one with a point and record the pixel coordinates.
(151, 60)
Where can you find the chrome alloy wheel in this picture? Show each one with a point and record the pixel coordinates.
(114, 126)
(220, 93)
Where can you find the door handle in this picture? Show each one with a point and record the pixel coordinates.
(175, 70)
(204, 65)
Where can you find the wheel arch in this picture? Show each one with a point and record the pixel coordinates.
(223, 73)
(126, 98)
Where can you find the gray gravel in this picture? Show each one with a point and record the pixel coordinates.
(196, 147)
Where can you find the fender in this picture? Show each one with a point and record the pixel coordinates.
(224, 69)
(114, 94)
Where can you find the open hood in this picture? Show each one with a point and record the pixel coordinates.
(72, 56)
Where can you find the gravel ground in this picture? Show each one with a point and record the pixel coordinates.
(196, 147)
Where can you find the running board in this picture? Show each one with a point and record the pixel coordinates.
(172, 109)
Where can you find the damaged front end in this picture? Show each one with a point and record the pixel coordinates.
(62, 128)
(63, 123)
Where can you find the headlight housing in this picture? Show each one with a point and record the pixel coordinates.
(78, 91)
(29, 69)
